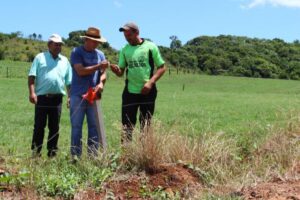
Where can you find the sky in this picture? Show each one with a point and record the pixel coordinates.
(157, 19)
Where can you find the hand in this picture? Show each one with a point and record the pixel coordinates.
(33, 98)
(115, 68)
(104, 65)
(68, 102)
(147, 87)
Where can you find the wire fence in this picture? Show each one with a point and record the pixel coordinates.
(14, 69)
(17, 69)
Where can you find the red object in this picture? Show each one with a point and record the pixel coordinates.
(90, 96)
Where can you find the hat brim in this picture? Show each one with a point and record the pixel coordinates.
(102, 39)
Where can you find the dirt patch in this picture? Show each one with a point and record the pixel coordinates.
(174, 178)
(170, 179)
(23, 193)
(278, 188)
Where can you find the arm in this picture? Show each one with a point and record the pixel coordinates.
(99, 87)
(32, 95)
(68, 95)
(83, 71)
(148, 85)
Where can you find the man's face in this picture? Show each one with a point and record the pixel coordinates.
(54, 48)
(91, 44)
(130, 35)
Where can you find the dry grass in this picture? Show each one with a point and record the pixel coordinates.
(279, 153)
(216, 157)
(211, 155)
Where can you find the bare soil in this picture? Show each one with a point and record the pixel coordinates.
(278, 188)
(170, 179)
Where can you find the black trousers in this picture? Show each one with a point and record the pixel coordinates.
(47, 107)
(131, 103)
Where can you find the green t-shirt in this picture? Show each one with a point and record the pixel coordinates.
(140, 61)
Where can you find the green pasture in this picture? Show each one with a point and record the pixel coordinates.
(243, 108)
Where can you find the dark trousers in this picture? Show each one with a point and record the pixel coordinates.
(47, 107)
(130, 105)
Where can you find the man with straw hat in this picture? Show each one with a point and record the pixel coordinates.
(89, 65)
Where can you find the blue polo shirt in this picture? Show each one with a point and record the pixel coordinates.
(51, 75)
(79, 55)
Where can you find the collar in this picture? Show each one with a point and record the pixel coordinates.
(50, 55)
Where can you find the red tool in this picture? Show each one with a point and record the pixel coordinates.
(90, 95)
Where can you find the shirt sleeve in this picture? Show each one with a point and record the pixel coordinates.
(34, 66)
(103, 57)
(158, 60)
(76, 58)
(122, 60)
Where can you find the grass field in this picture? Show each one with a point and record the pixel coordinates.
(191, 104)
(13, 69)
(243, 109)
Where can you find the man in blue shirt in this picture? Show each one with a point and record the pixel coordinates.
(49, 74)
(88, 65)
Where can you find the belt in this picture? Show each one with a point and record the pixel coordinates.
(51, 95)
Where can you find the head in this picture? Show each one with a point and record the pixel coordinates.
(131, 33)
(92, 38)
(54, 44)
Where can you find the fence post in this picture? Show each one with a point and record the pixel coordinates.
(6, 72)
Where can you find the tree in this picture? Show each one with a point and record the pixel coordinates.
(34, 36)
(74, 38)
(40, 37)
(175, 42)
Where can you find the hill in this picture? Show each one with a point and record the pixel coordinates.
(237, 56)
(221, 55)
(16, 48)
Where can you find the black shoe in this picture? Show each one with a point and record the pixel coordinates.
(51, 153)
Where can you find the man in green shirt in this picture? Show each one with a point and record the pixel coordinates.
(144, 65)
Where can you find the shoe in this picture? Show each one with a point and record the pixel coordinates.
(74, 160)
(51, 153)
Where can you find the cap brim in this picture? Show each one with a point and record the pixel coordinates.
(123, 29)
(102, 39)
(56, 41)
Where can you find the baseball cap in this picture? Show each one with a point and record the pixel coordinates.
(55, 38)
(129, 25)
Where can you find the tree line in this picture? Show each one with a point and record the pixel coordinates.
(220, 55)
(236, 56)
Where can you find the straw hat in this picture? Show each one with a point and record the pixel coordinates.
(94, 34)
